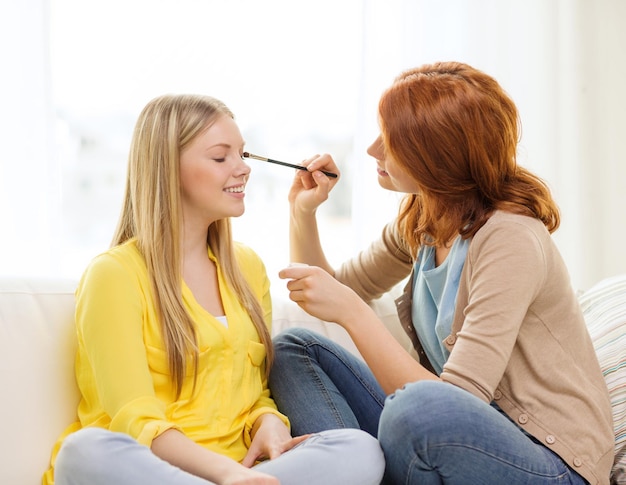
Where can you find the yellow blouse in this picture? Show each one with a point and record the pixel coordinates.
(122, 369)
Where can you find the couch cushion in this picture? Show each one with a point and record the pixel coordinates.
(39, 394)
(604, 307)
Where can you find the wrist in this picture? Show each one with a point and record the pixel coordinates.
(264, 418)
(298, 212)
(358, 312)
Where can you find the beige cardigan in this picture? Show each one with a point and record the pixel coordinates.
(518, 335)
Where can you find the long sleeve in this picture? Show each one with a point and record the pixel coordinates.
(112, 362)
(375, 270)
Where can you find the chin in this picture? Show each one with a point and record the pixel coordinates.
(386, 183)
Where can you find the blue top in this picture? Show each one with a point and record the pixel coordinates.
(434, 298)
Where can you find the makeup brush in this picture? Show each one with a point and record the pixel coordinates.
(285, 164)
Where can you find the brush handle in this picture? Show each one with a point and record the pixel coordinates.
(300, 167)
(285, 164)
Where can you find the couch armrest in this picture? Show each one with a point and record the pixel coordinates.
(39, 393)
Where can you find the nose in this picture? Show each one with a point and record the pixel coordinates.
(243, 168)
(376, 149)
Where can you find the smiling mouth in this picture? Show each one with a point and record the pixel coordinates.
(381, 172)
(235, 190)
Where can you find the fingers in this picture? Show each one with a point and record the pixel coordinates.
(251, 457)
(292, 443)
(315, 178)
(304, 281)
(304, 285)
(321, 162)
(307, 161)
(306, 179)
(273, 451)
(296, 271)
(301, 287)
(297, 440)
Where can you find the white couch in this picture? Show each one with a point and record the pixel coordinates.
(37, 346)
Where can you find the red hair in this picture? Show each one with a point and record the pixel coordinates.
(454, 131)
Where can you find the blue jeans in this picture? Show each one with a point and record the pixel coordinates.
(320, 385)
(431, 432)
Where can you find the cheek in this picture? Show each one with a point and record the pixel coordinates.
(196, 183)
(196, 174)
(401, 181)
(393, 169)
(188, 180)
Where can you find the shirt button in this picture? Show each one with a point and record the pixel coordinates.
(550, 439)
(497, 395)
(577, 461)
(523, 418)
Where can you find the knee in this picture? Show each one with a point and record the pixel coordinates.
(353, 439)
(83, 442)
(290, 348)
(293, 337)
(366, 449)
(363, 453)
(80, 450)
(414, 410)
(295, 343)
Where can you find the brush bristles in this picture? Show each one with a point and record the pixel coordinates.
(250, 155)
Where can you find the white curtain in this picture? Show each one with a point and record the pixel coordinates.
(562, 61)
(564, 64)
(29, 176)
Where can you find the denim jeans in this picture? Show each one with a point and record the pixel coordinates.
(320, 385)
(96, 456)
(431, 432)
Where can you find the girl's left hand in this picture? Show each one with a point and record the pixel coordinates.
(270, 440)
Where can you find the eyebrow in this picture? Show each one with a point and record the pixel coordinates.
(223, 145)
(218, 145)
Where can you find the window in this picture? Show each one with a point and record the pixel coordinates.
(290, 72)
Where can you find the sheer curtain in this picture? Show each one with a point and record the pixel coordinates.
(29, 175)
(562, 62)
(300, 80)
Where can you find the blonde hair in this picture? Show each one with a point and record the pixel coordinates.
(152, 214)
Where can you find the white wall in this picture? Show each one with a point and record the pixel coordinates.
(562, 61)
